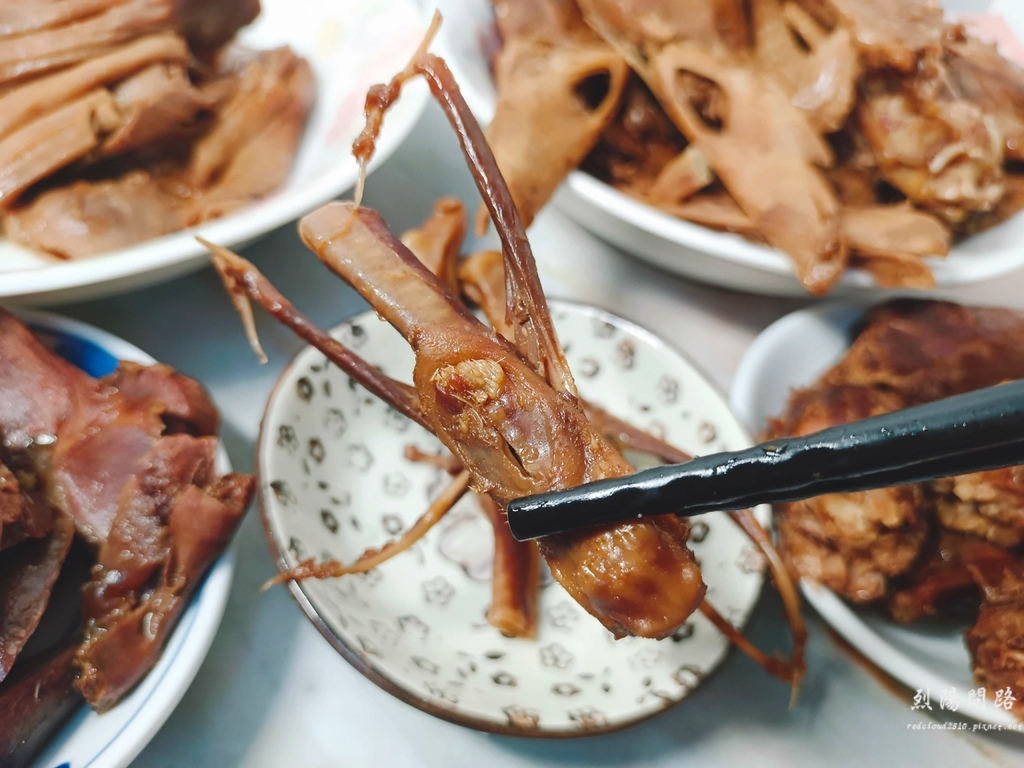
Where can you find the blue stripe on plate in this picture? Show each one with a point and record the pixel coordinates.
(90, 357)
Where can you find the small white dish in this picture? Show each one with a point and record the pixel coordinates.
(333, 482)
(351, 45)
(794, 352)
(113, 739)
(469, 41)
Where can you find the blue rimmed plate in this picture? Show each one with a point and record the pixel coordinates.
(113, 739)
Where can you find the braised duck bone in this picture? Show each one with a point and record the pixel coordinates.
(763, 148)
(559, 85)
(513, 433)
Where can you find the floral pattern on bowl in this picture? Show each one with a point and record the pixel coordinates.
(333, 482)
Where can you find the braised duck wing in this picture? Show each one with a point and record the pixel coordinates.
(513, 433)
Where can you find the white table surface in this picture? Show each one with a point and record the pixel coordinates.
(273, 693)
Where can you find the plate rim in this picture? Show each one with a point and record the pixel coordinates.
(205, 611)
(407, 696)
(839, 615)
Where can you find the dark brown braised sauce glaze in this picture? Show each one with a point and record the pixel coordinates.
(947, 550)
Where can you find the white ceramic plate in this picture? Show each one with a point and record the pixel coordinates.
(333, 481)
(792, 353)
(469, 41)
(351, 44)
(113, 739)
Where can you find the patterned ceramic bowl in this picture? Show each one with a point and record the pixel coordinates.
(333, 482)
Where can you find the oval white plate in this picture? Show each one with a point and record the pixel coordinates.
(333, 481)
(352, 45)
(793, 352)
(113, 739)
(469, 41)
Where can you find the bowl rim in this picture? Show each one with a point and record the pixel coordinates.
(405, 695)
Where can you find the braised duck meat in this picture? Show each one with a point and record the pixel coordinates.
(996, 641)
(989, 505)
(127, 461)
(558, 85)
(133, 121)
(246, 153)
(933, 550)
(27, 575)
(926, 350)
(34, 702)
(945, 585)
(853, 543)
(55, 44)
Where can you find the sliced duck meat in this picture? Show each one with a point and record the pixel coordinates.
(27, 102)
(35, 702)
(38, 390)
(27, 574)
(182, 402)
(32, 54)
(208, 25)
(137, 542)
(270, 84)
(158, 104)
(54, 141)
(24, 513)
(122, 645)
(18, 17)
(262, 163)
(88, 218)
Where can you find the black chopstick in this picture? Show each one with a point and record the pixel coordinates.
(967, 433)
